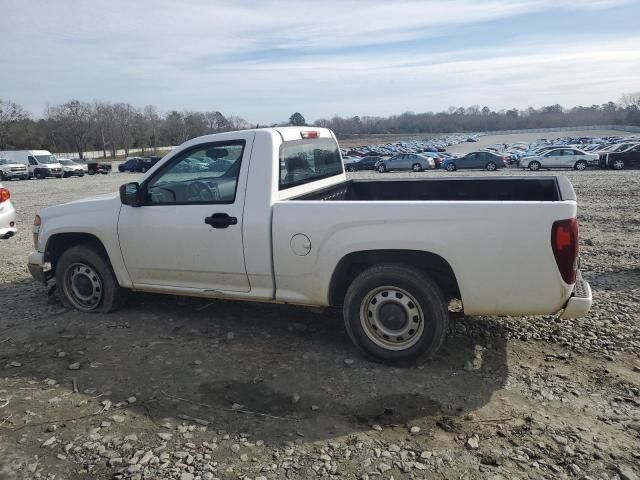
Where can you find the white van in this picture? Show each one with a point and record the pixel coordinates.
(41, 163)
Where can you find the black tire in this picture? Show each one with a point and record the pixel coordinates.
(430, 304)
(491, 166)
(580, 165)
(111, 294)
(382, 168)
(451, 167)
(534, 166)
(416, 167)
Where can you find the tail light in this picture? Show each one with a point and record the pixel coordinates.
(309, 134)
(4, 195)
(564, 242)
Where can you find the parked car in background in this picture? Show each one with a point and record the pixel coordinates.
(406, 161)
(71, 168)
(622, 159)
(40, 163)
(10, 169)
(369, 162)
(475, 160)
(94, 167)
(7, 214)
(134, 164)
(560, 158)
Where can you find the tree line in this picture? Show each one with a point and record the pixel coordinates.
(77, 126)
(475, 119)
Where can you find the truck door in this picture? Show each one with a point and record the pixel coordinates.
(188, 233)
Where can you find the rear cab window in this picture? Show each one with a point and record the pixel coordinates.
(305, 161)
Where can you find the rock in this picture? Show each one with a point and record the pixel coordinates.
(186, 476)
(48, 441)
(414, 430)
(230, 336)
(575, 469)
(131, 438)
(131, 400)
(473, 442)
(165, 436)
(295, 398)
(626, 473)
(51, 428)
(315, 407)
(376, 427)
(15, 364)
(74, 366)
(348, 361)
(426, 455)
(383, 467)
(244, 457)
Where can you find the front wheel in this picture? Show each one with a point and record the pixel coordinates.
(534, 166)
(395, 313)
(382, 168)
(416, 167)
(618, 164)
(451, 167)
(86, 282)
(491, 166)
(580, 165)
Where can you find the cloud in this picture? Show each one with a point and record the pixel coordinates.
(263, 59)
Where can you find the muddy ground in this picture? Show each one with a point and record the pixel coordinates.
(188, 389)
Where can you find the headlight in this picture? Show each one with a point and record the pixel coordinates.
(37, 221)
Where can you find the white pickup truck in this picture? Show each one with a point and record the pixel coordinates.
(268, 215)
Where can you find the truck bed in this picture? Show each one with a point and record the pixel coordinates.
(516, 189)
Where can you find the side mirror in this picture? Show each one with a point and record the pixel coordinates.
(131, 194)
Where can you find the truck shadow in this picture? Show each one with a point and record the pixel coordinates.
(280, 373)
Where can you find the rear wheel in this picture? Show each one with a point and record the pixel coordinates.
(416, 167)
(534, 166)
(86, 282)
(382, 168)
(618, 164)
(580, 165)
(451, 167)
(395, 313)
(491, 166)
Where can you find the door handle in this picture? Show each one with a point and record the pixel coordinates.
(220, 220)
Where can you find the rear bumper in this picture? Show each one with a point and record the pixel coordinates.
(580, 301)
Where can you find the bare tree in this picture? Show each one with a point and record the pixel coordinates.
(73, 121)
(10, 114)
(125, 118)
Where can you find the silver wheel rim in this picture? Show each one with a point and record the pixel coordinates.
(416, 168)
(83, 286)
(381, 169)
(581, 166)
(534, 166)
(451, 167)
(385, 306)
(491, 167)
(618, 164)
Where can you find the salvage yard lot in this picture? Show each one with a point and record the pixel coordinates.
(233, 390)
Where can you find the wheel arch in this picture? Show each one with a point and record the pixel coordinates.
(58, 243)
(352, 264)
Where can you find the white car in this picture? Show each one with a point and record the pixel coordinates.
(9, 170)
(284, 225)
(71, 168)
(7, 214)
(560, 158)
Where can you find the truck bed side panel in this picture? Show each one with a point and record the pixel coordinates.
(500, 252)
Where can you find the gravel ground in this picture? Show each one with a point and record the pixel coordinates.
(188, 389)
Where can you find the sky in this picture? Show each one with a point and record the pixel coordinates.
(264, 60)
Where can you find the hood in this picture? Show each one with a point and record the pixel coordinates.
(97, 203)
(13, 165)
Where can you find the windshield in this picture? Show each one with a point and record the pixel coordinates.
(66, 162)
(46, 159)
(4, 161)
(305, 161)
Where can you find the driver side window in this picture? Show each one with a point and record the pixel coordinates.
(204, 174)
